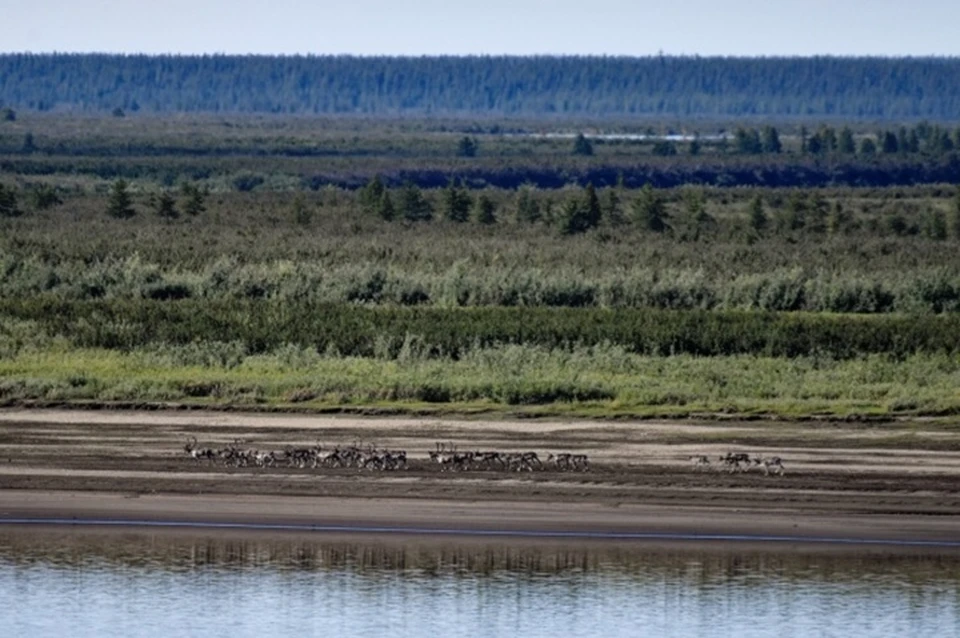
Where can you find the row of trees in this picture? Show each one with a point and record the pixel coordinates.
(578, 211)
(585, 209)
(924, 138)
(120, 203)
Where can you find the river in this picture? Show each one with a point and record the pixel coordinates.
(92, 583)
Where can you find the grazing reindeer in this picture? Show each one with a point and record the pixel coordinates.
(520, 461)
(580, 462)
(562, 461)
(197, 453)
(700, 462)
(532, 459)
(489, 459)
(264, 459)
(770, 464)
(441, 456)
(736, 462)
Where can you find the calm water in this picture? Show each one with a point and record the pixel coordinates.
(85, 584)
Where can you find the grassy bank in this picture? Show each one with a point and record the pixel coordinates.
(597, 381)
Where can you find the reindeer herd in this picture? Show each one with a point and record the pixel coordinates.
(734, 462)
(444, 457)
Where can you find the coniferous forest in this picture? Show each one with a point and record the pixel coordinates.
(603, 236)
(822, 87)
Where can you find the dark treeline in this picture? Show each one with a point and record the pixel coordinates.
(741, 173)
(852, 88)
(792, 171)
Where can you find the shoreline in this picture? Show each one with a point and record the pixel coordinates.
(434, 518)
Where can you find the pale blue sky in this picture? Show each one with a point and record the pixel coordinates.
(415, 27)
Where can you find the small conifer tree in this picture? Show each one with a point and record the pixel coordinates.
(120, 203)
(758, 218)
(486, 210)
(582, 146)
(166, 207)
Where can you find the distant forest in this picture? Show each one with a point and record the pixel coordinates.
(604, 87)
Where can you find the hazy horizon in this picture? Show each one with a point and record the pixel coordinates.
(492, 55)
(729, 28)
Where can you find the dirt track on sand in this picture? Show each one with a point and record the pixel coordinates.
(891, 480)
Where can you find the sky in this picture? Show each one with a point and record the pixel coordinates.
(460, 27)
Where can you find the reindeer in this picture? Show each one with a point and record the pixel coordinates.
(264, 459)
(441, 456)
(580, 462)
(395, 460)
(520, 461)
(532, 459)
(562, 461)
(489, 460)
(700, 462)
(732, 461)
(197, 453)
(770, 464)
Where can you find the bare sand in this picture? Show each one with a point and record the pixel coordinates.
(858, 482)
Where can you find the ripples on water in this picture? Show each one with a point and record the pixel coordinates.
(81, 583)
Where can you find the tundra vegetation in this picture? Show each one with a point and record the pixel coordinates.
(788, 267)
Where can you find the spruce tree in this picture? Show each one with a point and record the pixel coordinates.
(846, 144)
(582, 146)
(592, 209)
(771, 140)
(413, 206)
(29, 144)
(650, 211)
(758, 219)
(486, 210)
(747, 141)
(384, 208)
(193, 204)
(166, 207)
(120, 203)
(467, 147)
(371, 195)
(456, 202)
(528, 208)
(815, 144)
(697, 216)
(572, 217)
(8, 202)
(581, 212)
(828, 138)
(890, 144)
(610, 207)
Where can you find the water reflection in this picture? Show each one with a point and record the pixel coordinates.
(92, 583)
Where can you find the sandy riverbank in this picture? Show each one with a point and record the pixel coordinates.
(889, 482)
